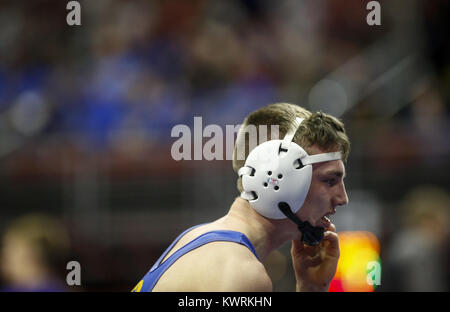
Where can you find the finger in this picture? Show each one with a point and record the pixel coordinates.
(331, 228)
(297, 247)
(300, 250)
(309, 251)
(332, 243)
(332, 237)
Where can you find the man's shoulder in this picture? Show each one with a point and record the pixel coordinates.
(217, 266)
(247, 276)
(239, 269)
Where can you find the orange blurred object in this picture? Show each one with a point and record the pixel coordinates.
(359, 268)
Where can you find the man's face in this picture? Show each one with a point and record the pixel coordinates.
(327, 191)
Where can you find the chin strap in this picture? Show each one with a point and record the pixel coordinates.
(311, 235)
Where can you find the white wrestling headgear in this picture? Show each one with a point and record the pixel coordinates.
(279, 171)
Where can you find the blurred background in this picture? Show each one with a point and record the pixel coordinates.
(86, 113)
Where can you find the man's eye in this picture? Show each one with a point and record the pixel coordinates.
(330, 182)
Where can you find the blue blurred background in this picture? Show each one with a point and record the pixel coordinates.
(86, 114)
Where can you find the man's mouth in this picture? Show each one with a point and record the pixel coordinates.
(325, 221)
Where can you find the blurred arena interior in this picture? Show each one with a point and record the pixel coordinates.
(86, 114)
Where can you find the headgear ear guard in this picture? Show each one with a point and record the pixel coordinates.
(276, 178)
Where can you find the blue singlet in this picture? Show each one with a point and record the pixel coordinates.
(151, 278)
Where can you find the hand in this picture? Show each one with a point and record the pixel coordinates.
(315, 266)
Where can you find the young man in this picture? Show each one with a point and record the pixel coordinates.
(228, 254)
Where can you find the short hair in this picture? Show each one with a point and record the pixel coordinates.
(318, 129)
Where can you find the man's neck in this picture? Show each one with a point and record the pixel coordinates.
(264, 234)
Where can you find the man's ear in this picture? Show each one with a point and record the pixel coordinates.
(239, 185)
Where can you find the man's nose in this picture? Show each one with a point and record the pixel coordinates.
(341, 197)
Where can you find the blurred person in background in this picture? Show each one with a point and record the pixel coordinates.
(418, 253)
(228, 254)
(33, 254)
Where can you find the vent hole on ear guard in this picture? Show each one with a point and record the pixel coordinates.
(280, 176)
(255, 196)
(269, 172)
(276, 187)
(298, 164)
(280, 149)
(265, 184)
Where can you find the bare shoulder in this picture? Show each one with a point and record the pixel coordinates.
(248, 277)
(241, 270)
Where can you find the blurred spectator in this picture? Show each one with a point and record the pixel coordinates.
(33, 254)
(429, 118)
(418, 254)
